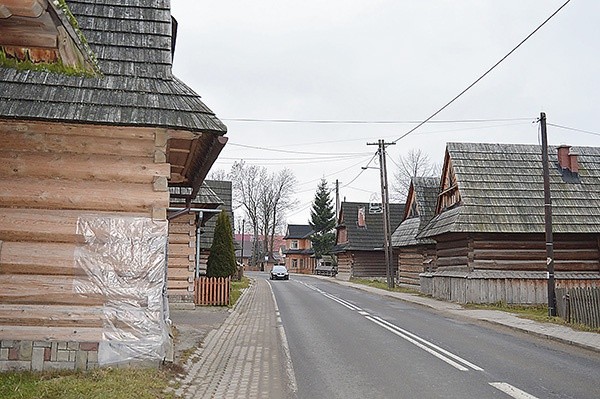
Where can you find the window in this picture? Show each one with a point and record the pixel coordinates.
(294, 244)
(295, 263)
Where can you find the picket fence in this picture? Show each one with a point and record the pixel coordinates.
(579, 305)
(212, 291)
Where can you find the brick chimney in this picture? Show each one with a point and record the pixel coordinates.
(567, 159)
(573, 162)
(563, 156)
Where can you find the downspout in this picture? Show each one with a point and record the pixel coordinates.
(198, 230)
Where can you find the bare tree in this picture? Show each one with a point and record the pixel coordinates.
(265, 198)
(218, 174)
(276, 200)
(415, 164)
(247, 181)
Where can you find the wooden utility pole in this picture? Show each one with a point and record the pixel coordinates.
(337, 200)
(548, 219)
(387, 233)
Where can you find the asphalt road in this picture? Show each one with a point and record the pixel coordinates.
(346, 343)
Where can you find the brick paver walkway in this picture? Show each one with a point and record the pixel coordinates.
(245, 357)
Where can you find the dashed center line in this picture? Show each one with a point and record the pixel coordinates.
(442, 354)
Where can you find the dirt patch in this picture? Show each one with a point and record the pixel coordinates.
(190, 327)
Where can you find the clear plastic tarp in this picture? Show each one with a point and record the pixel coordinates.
(124, 259)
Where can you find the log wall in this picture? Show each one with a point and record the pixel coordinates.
(413, 261)
(182, 258)
(51, 174)
(527, 252)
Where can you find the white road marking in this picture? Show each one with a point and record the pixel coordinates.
(512, 391)
(289, 367)
(427, 346)
(420, 345)
(432, 345)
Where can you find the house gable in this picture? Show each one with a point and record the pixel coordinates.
(43, 35)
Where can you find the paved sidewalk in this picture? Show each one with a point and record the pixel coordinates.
(245, 357)
(587, 340)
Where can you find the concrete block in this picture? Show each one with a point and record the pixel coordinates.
(25, 350)
(62, 356)
(81, 360)
(42, 344)
(73, 346)
(21, 365)
(7, 344)
(54, 351)
(72, 356)
(37, 359)
(61, 345)
(3, 354)
(59, 366)
(92, 357)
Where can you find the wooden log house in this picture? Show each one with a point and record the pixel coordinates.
(489, 222)
(360, 240)
(416, 255)
(86, 163)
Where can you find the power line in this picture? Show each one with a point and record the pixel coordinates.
(573, 129)
(297, 152)
(366, 122)
(482, 76)
(361, 171)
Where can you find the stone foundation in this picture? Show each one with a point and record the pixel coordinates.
(47, 355)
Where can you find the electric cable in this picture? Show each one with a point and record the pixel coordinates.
(482, 76)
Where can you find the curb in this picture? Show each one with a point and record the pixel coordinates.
(454, 308)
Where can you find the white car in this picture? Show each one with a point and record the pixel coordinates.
(279, 273)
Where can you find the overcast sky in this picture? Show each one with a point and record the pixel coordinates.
(382, 61)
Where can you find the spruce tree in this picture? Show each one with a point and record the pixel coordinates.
(221, 260)
(322, 220)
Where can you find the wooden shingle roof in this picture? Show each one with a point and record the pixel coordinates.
(422, 194)
(370, 237)
(132, 43)
(501, 191)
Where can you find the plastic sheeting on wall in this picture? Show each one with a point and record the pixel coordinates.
(124, 259)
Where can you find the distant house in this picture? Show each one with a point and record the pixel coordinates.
(416, 255)
(489, 222)
(360, 239)
(86, 167)
(276, 257)
(299, 255)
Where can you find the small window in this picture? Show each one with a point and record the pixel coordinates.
(294, 244)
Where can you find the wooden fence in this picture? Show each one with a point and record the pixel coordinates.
(212, 291)
(579, 305)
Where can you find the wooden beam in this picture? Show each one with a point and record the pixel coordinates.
(25, 8)
(12, 140)
(81, 167)
(41, 225)
(25, 32)
(80, 195)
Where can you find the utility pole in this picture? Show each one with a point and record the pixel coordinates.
(242, 250)
(387, 247)
(337, 200)
(548, 219)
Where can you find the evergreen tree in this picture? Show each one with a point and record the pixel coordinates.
(322, 220)
(221, 260)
